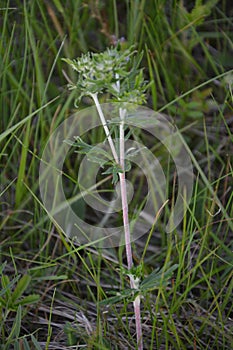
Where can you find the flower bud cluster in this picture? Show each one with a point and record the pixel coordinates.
(112, 71)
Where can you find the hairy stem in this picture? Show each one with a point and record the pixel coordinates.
(121, 161)
(106, 129)
(124, 193)
(136, 303)
(137, 312)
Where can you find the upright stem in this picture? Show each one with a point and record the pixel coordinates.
(106, 129)
(124, 195)
(136, 303)
(137, 313)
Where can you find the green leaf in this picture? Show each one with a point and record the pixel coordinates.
(114, 170)
(2, 302)
(28, 300)
(135, 271)
(195, 114)
(80, 144)
(26, 346)
(20, 188)
(52, 278)
(200, 11)
(7, 285)
(70, 334)
(21, 287)
(58, 6)
(17, 345)
(111, 301)
(35, 343)
(15, 331)
(194, 105)
(99, 156)
(157, 278)
(94, 153)
(2, 267)
(5, 281)
(128, 166)
(128, 294)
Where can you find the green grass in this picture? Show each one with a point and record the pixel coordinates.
(187, 54)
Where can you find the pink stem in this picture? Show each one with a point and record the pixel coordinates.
(126, 221)
(136, 303)
(137, 313)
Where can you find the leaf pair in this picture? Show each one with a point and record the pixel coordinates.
(98, 155)
(157, 279)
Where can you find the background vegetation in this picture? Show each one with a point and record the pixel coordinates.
(50, 288)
